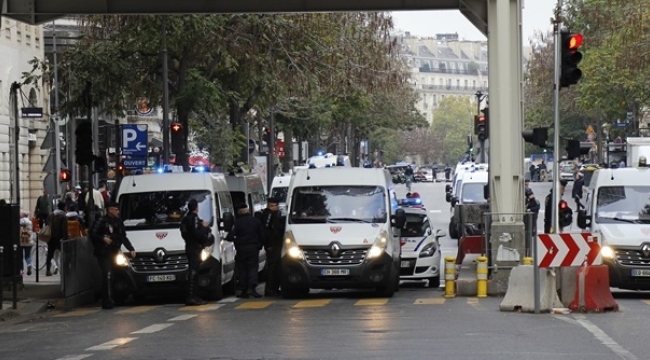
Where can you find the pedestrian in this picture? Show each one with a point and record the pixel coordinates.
(26, 240)
(548, 211)
(43, 208)
(532, 206)
(248, 237)
(197, 236)
(76, 227)
(576, 192)
(274, 227)
(58, 223)
(108, 236)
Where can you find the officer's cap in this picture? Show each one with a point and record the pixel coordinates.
(241, 206)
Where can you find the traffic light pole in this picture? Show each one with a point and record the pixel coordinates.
(165, 104)
(56, 143)
(556, 121)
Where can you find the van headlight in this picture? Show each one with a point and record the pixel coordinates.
(291, 248)
(607, 252)
(121, 259)
(428, 250)
(206, 252)
(379, 246)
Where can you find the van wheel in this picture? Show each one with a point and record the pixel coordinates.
(119, 298)
(215, 292)
(389, 289)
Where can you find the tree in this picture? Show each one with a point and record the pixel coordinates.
(452, 122)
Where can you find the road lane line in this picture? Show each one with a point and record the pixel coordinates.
(152, 328)
(604, 338)
(312, 303)
(206, 307)
(254, 305)
(430, 301)
(111, 344)
(183, 317)
(75, 357)
(371, 302)
(136, 310)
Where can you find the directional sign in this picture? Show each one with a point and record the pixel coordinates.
(135, 139)
(557, 250)
(621, 124)
(137, 163)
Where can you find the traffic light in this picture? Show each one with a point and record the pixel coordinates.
(84, 138)
(266, 134)
(569, 58)
(177, 137)
(537, 136)
(99, 164)
(575, 149)
(565, 214)
(65, 175)
(120, 167)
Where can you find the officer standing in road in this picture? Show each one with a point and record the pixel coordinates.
(108, 236)
(274, 226)
(532, 206)
(548, 210)
(248, 237)
(197, 236)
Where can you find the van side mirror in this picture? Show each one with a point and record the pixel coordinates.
(227, 221)
(583, 221)
(448, 197)
(447, 188)
(399, 219)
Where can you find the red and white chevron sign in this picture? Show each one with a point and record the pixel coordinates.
(556, 250)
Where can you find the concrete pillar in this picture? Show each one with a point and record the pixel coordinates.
(506, 122)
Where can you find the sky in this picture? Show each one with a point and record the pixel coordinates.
(536, 16)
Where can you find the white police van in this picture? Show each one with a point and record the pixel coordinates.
(342, 231)
(152, 207)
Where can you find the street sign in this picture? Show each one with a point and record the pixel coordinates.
(621, 124)
(31, 113)
(136, 163)
(251, 146)
(135, 140)
(557, 250)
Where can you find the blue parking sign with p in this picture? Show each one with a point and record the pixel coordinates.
(135, 140)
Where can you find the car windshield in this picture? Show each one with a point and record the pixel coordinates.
(338, 204)
(473, 193)
(416, 225)
(162, 209)
(630, 204)
(280, 193)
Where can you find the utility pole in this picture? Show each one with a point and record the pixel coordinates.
(165, 129)
(15, 194)
(555, 221)
(56, 142)
(270, 156)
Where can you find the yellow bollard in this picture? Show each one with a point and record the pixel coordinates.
(450, 277)
(481, 276)
(528, 261)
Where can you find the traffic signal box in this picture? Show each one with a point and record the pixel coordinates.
(65, 175)
(177, 137)
(84, 138)
(481, 125)
(536, 136)
(570, 57)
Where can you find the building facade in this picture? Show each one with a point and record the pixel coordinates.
(20, 43)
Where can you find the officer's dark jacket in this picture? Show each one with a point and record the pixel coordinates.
(274, 228)
(577, 188)
(247, 233)
(193, 231)
(548, 211)
(112, 228)
(532, 205)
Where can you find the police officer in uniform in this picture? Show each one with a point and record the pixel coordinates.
(274, 227)
(108, 236)
(197, 235)
(248, 236)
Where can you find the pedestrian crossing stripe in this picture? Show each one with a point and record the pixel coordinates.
(136, 310)
(254, 305)
(312, 303)
(430, 301)
(371, 302)
(78, 312)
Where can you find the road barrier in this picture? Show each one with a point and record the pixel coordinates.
(520, 295)
(592, 293)
(481, 276)
(450, 277)
(80, 274)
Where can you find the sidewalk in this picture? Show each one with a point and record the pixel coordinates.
(33, 297)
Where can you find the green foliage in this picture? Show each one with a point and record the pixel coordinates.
(453, 120)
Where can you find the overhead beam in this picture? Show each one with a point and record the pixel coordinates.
(476, 11)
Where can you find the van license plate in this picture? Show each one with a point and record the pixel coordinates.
(335, 272)
(641, 272)
(406, 264)
(161, 278)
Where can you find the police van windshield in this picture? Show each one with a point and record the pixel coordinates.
(338, 204)
(473, 193)
(162, 209)
(623, 204)
(280, 193)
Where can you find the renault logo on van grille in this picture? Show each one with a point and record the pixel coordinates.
(160, 255)
(645, 249)
(335, 249)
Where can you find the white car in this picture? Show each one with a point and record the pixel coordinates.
(420, 248)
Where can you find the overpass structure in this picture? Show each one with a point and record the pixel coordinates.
(500, 20)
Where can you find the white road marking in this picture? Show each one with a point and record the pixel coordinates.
(182, 317)
(435, 211)
(152, 329)
(605, 339)
(111, 344)
(75, 357)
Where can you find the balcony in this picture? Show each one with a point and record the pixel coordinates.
(453, 71)
(453, 89)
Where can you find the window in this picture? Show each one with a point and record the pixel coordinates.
(435, 100)
(466, 84)
(338, 204)
(473, 193)
(623, 204)
(416, 225)
(8, 32)
(280, 193)
(162, 209)
(457, 83)
(28, 39)
(33, 98)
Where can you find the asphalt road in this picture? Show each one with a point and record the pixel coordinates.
(417, 323)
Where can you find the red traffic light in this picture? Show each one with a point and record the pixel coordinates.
(481, 118)
(574, 41)
(176, 127)
(65, 175)
(120, 167)
(563, 205)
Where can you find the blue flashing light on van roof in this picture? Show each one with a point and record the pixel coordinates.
(160, 170)
(200, 168)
